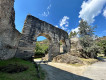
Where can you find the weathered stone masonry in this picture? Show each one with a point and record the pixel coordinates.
(33, 28)
(9, 36)
(22, 45)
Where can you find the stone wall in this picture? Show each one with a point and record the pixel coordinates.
(13, 43)
(33, 28)
(9, 36)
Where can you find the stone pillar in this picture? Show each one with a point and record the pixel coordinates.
(68, 44)
(26, 45)
(64, 48)
(54, 50)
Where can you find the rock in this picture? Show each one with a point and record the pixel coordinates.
(9, 36)
(13, 43)
(67, 58)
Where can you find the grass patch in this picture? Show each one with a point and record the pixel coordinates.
(104, 57)
(100, 55)
(76, 65)
(88, 61)
(29, 74)
(38, 58)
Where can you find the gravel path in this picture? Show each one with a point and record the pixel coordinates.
(60, 71)
(96, 71)
(54, 73)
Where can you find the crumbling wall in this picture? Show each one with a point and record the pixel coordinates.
(13, 43)
(9, 36)
(34, 27)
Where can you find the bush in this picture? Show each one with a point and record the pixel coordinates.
(102, 45)
(41, 49)
(92, 51)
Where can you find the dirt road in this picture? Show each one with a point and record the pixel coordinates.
(54, 73)
(96, 71)
(60, 71)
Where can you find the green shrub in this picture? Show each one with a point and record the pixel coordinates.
(41, 48)
(102, 45)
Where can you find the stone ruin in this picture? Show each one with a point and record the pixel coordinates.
(9, 36)
(33, 28)
(22, 45)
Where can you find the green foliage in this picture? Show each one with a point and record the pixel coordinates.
(29, 74)
(41, 48)
(86, 39)
(102, 44)
(72, 34)
(60, 43)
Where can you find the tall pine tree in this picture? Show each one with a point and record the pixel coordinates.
(72, 34)
(86, 40)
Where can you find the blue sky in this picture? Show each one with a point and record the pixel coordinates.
(64, 14)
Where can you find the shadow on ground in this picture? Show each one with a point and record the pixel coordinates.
(58, 74)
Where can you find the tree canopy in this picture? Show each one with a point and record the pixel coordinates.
(72, 34)
(86, 33)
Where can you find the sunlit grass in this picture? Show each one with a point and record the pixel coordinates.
(76, 65)
(88, 61)
(104, 57)
(38, 58)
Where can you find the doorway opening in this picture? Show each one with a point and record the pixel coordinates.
(42, 45)
(62, 43)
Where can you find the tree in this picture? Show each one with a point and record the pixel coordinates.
(102, 44)
(89, 49)
(41, 48)
(72, 34)
(38, 48)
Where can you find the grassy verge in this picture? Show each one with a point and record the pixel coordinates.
(85, 62)
(29, 74)
(76, 65)
(88, 61)
(38, 58)
(104, 57)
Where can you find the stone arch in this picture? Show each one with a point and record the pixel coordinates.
(45, 35)
(50, 43)
(33, 27)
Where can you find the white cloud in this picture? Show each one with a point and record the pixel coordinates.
(47, 12)
(104, 13)
(56, 26)
(76, 29)
(49, 7)
(91, 9)
(64, 22)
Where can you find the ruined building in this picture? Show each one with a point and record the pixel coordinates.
(22, 45)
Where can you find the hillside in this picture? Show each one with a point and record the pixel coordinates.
(101, 38)
(46, 41)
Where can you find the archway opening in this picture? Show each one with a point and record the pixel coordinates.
(62, 43)
(43, 42)
(42, 45)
